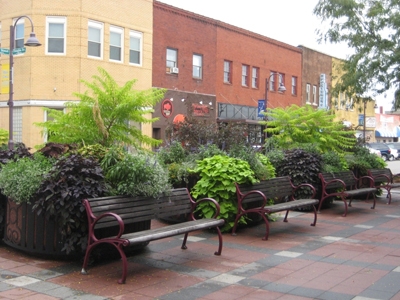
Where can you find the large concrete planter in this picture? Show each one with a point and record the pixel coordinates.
(36, 235)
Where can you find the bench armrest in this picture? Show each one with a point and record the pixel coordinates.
(371, 180)
(327, 183)
(382, 177)
(213, 201)
(306, 185)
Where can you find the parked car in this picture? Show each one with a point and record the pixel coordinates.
(395, 147)
(374, 151)
(386, 152)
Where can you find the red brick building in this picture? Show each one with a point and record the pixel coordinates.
(219, 70)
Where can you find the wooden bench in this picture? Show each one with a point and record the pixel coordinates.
(281, 190)
(346, 186)
(383, 179)
(108, 211)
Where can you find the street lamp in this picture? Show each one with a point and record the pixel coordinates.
(32, 41)
(365, 106)
(281, 89)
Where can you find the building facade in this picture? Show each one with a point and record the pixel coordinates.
(76, 40)
(220, 71)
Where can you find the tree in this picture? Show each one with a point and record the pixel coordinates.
(3, 137)
(372, 29)
(105, 116)
(296, 127)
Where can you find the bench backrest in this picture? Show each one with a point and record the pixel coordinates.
(140, 208)
(278, 188)
(346, 176)
(375, 172)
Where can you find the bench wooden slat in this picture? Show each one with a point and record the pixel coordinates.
(346, 186)
(115, 212)
(280, 189)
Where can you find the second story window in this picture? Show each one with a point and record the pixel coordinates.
(55, 31)
(172, 58)
(272, 81)
(227, 71)
(135, 47)
(294, 86)
(116, 43)
(19, 34)
(197, 66)
(95, 39)
(254, 77)
(245, 75)
(308, 90)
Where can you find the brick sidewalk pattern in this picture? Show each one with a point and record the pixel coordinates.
(353, 257)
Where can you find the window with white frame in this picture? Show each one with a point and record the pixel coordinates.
(116, 43)
(227, 71)
(294, 85)
(48, 117)
(314, 95)
(272, 81)
(56, 35)
(95, 39)
(254, 77)
(308, 90)
(281, 79)
(172, 58)
(245, 75)
(135, 47)
(197, 66)
(19, 33)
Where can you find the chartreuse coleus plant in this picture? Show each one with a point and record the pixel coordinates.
(218, 175)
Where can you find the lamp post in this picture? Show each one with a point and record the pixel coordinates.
(281, 89)
(32, 41)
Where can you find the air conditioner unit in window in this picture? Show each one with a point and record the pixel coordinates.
(174, 70)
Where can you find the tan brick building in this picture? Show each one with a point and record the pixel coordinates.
(77, 37)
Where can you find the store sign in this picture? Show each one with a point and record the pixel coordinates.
(166, 108)
(200, 110)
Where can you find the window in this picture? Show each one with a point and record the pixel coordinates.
(172, 58)
(135, 47)
(314, 90)
(55, 31)
(272, 81)
(245, 75)
(254, 77)
(95, 39)
(308, 90)
(294, 85)
(197, 66)
(19, 33)
(116, 43)
(227, 71)
(17, 124)
(281, 79)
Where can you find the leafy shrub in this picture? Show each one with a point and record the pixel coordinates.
(138, 174)
(71, 179)
(333, 162)
(361, 160)
(19, 151)
(217, 177)
(179, 174)
(21, 179)
(302, 167)
(174, 153)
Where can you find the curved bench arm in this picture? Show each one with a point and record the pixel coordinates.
(216, 204)
(371, 180)
(307, 185)
(327, 183)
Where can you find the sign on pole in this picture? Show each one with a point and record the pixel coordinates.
(5, 78)
(5, 51)
(17, 51)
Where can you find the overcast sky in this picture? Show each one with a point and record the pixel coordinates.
(288, 21)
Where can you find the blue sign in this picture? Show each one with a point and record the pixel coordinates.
(261, 108)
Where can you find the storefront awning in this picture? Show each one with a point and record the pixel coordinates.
(385, 133)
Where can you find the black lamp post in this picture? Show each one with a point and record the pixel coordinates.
(281, 89)
(365, 120)
(32, 41)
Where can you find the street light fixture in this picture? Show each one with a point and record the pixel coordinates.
(281, 89)
(32, 41)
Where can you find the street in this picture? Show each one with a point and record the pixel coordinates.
(394, 166)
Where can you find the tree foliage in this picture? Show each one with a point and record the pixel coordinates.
(297, 127)
(107, 115)
(3, 137)
(372, 29)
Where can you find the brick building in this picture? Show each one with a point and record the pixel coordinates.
(219, 70)
(77, 37)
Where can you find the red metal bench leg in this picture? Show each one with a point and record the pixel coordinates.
(184, 241)
(345, 206)
(315, 216)
(373, 206)
(220, 242)
(236, 223)
(286, 215)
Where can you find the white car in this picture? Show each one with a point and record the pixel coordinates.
(374, 151)
(394, 151)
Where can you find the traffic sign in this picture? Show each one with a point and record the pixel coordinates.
(18, 51)
(5, 51)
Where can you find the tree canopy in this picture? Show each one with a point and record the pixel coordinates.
(297, 127)
(372, 29)
(107, 115)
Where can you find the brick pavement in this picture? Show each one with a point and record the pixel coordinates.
(356, 257)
